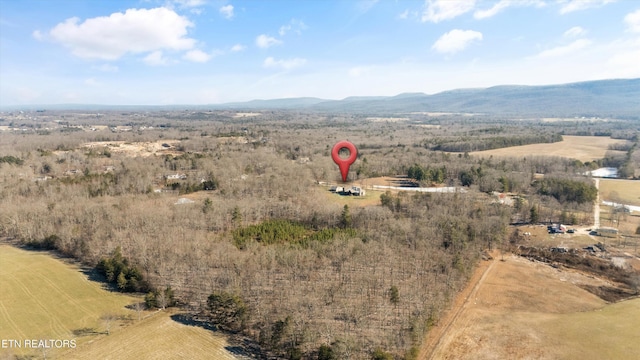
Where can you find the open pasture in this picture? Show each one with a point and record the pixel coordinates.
(583, 148)
(156, 337)
(620, 191)
(44, 297)
(506, 315)
(371, 198)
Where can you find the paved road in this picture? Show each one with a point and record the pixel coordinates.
(596, 207)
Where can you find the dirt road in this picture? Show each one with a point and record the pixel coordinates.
(436, 334)
(523, 309)
(596, 207)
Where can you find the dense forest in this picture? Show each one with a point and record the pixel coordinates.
(231, 220)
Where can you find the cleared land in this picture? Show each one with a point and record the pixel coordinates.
(521, 309)
(371, 198)
(583, 148)
(144, 149)
(44, 297)
(372, 195)
(156, 337)
(624, 191)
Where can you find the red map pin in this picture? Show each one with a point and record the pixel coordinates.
(344, 164)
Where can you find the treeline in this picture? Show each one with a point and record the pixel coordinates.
(187, 187)
(11, 160)
(470, 144)
(282, 231)
(434, 175)
(566, 190)
(117, 270)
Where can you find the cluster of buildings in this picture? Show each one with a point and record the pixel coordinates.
(354, 190)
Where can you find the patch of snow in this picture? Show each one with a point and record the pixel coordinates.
(607, 172)
(182, 201)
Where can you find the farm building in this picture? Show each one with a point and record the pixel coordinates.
(354, 190)
(607, 232)
(556, 229)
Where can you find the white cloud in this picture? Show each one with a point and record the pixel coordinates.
(156, 58)
(135, 31)
(404, 15)
(577, 5)
(265, 41)
(633, 21)
(496, 8)
(439, 10)
(238, 48)
(575, 32)
(623, 59)
(227, 11)
(283, 64)
(190, 3)
(366, 5)
(565, 49)
(197, 56)
(294, 25)
(456, 40)
(283, 29)
(37, 35)
(503, 4)
(107, 68)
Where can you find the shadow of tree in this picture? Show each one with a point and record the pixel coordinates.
(86, 332)
(242, 347)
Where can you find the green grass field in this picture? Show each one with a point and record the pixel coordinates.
(607, 333)
(155, 337)
(43, 297)
(625, 191)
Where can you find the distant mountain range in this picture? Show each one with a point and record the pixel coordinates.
(618, 98)
(603, 98)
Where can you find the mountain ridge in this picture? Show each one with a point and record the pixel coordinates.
(599, 98)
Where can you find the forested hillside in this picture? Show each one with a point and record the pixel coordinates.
(603, 98)
(229, 217)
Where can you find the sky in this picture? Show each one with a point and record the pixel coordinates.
(169, 52)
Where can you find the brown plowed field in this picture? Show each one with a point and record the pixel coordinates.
(583, 148)
(521, 309)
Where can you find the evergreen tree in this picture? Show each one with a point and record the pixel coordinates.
(394, 295)
(122, 281)
(533, 215)
(345, 217)
(236, 216)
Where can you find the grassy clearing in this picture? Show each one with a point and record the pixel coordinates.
(370, 198)
(625, 191)
(43, 297)
(156, 337)
(608, 333)
(529, 310)
(576, 241)
(583, 148)
(624, 222)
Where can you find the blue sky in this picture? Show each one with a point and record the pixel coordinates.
(148, 52)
